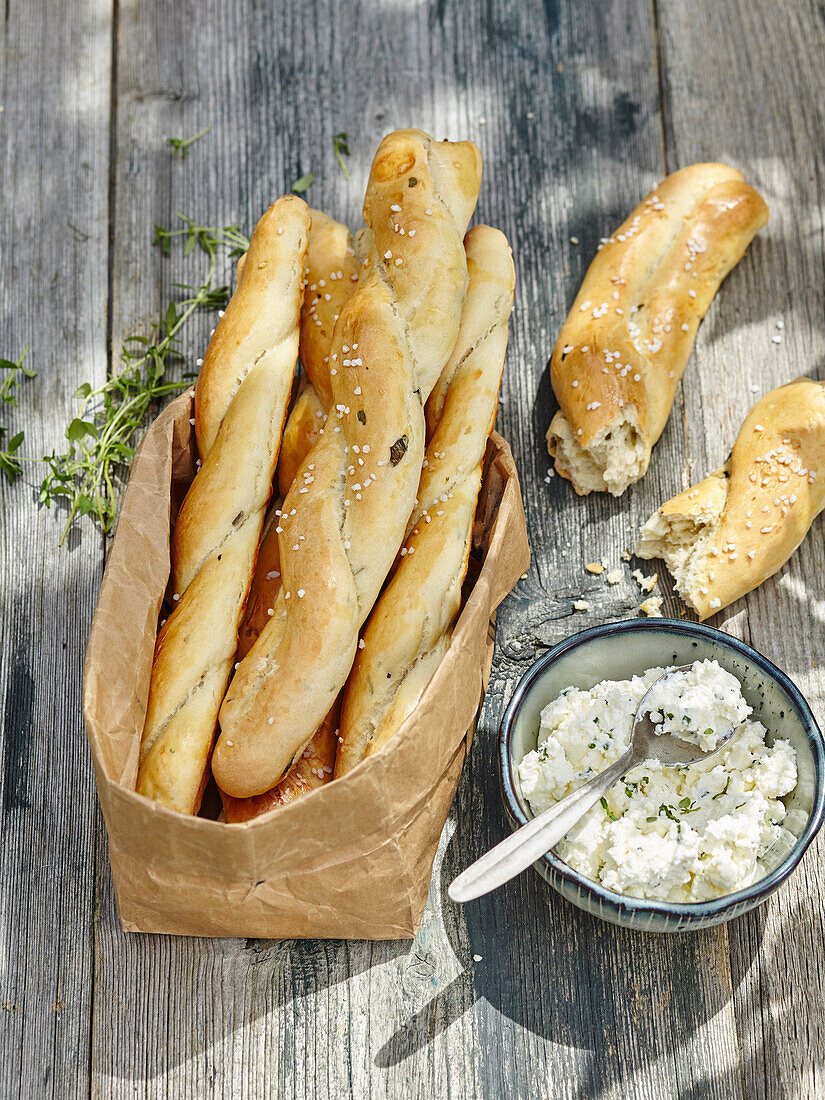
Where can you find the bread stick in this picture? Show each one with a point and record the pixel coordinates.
(390, 344)
(410, 627)
(330, 262)
(240, 404)
(738, 526)
(622, 350)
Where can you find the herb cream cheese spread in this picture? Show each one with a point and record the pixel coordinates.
(673, 834)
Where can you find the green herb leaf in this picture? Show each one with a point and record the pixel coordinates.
(610, 815)
(12, 380)
(303, 183)
(181, 145)
(723, 791)
(9, 464)
(340, 143)
(78, 428)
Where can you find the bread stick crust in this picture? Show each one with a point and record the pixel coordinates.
(333, 271)
(737, 527)
(301, 433)
(622, 350)
(313, 770)
(246, 331)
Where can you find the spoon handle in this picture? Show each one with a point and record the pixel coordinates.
(520, 850)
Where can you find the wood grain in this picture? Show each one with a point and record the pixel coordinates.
(54, 141)
(578, 110)
(776, 953)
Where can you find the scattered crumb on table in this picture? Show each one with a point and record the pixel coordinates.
(646, 583)
(652, 607)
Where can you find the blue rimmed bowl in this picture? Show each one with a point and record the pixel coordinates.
(617, 651)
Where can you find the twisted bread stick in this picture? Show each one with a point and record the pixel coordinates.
(331, 262)
(347, 520)
(740, 525)
(240, 404)
(410, 627)
(622, 350)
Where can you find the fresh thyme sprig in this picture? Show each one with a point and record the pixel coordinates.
(100, 436)
(181, 145)
(207, 237)
(9, 462)
(340, 143)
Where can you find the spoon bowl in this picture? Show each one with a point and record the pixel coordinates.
(665, 748)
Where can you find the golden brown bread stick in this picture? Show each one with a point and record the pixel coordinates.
(410, 626)
(330, 261)
(738, 526)
(244, 390)
(622, 350)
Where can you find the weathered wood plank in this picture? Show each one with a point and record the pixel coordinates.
(745, 86)
(53, 291)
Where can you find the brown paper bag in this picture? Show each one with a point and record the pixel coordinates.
(352, 859)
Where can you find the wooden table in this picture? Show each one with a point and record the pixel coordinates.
(579, 109)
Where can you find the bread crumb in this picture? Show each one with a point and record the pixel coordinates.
(626, 555)
(652, 607)
(581, 605)
(594, 567)
(615, 576)
(646, 583)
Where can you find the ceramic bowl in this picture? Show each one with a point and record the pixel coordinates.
(617, 651)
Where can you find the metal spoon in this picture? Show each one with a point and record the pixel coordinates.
(533, 840)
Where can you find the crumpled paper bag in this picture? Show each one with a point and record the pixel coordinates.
(352, 859)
